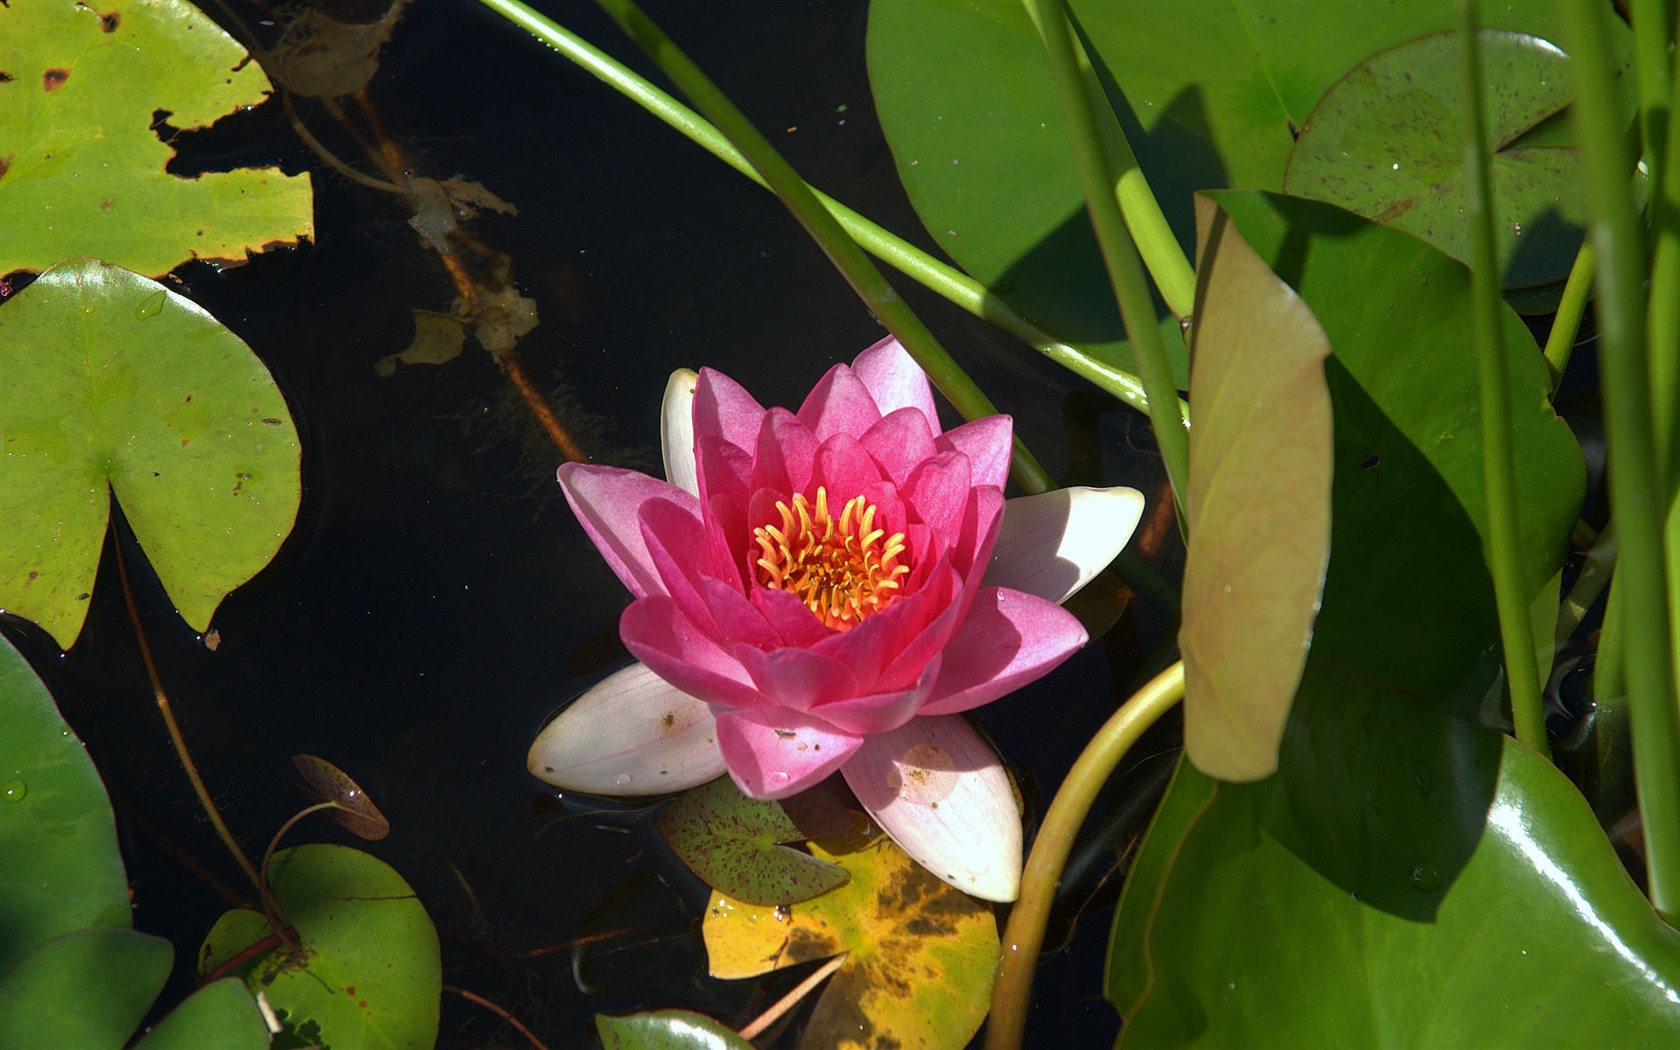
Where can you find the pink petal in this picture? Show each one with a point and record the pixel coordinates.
(899, 443)
(972, 546)
(895, 381)
(773, 752)
(790, 617)
(668, 533)
(676, 431)
(1008, 640)
(630, 734)
(737, 619)
(839, 404)
(724, 409)
(785, 454)
(880, 712)
(988, 443)
(845, 469)
(608, 502)
(1052, 544)
(939, 492)
(655, 630)
(797, 678)
(937, 788)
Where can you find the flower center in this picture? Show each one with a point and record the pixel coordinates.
(843, 570)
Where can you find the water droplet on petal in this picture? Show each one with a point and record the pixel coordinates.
(14, 790)
(621, 779)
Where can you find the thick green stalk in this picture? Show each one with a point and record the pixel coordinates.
(1155, 241)
(1652, 34)
(1499, 462)
(1125, 269)
(879, 295)
(938, 277)
(1636, 489)
(1024, 935)
(1572, 305)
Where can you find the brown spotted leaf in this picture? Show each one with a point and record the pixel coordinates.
(733, 843)
(356, 813)
(921, 954)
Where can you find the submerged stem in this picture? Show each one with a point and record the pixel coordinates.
(1024, 935)
(175, 737)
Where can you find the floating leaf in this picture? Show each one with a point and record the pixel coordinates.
(1384, 142)
(113, 383)
(89, 988)
(82, 170)
(356, 813)
(369, 972)
(667, 1030)
(58, 841)
(222, 1014)
(921, 955)
(1259, 503)
(1470, 899)
(731, 842)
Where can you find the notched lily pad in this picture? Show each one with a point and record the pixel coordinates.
(82, 172)
(366, 972)
(1384, 142)
(920, 954)
(114, 384)
(733, 843)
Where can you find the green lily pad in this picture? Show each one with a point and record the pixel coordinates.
(220, 1016)
(116, 384)
(82, 171)
(368, 973)
(90, 988)
(667, 1030)
(1258, 502)
(1408, 474)
(61, 869)
(1385, 143)
(732, 843)
(1494, 912)
(920, 959)
(1209, 95)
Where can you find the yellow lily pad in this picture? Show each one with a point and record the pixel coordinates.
(921, 954)
(81, 168)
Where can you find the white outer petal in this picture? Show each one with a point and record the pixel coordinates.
(940, 791)
(632, 733)
(676, 431)
(1053, 543)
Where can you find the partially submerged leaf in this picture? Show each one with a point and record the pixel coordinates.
(1259, 503)
(89, 988)
(82, 170)
(438, 339)
(1385, 142)
(920, 960)
(731, 842)
(667, 1030)
(369, 974)
(113, 383)
(321, 57)
(58, 840)
(356, 813)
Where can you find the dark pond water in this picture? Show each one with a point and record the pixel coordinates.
(437, 602)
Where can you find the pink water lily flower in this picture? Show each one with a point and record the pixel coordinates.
(827, 590)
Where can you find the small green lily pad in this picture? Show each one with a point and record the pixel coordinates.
(88, 988)
(82, 170)
(113, 383)
(368, 973)
(667, 1030)
(732, 843)
(1384, 142)
(220, 1016)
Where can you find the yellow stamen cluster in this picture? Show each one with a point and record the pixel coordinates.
(843, 570)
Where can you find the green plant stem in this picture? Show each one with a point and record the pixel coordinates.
(1662, 309)
(939, 277)
(1024, 935)
(1652, 33)
(175, 737)
(1572, 305)
(1636, 489)
(879, 295)
(272, 911)
(1125, 269)
(1595, 574)
(1499, 465)
(1154, 238)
